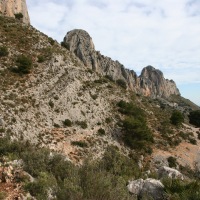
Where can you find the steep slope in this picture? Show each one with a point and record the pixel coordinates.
(150, 83)
(11, 7)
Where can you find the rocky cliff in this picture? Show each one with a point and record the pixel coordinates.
(151, 82)
(11, 7)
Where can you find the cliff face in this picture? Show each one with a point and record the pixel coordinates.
(11, 7)
(151, 82)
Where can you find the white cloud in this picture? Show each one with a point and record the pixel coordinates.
(162, 33)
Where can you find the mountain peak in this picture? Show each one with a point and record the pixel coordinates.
(10, 8)
(151, 82)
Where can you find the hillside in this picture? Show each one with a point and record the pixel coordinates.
(74, 101)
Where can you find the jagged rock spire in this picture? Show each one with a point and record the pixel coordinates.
(151, 82)
(11, 7)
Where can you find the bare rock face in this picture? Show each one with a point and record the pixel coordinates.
(80, 42)
(11, 7)
(147, 189)
(153, 83)
(150, 83)
(169, 173)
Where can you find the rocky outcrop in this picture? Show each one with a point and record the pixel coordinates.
(11, 7)
(150, 83)
(153, 83)
(148, 189)
(167, 172)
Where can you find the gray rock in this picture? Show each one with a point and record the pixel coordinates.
(147, 189)
(150, 83)
(169, 173)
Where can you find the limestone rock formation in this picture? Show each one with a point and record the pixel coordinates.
(151, 188)
(169, 173)
(150, 83)
(11, 7)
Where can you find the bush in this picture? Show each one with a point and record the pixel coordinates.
(41, 58)
(101, 132)
(41, 187)
(172, 161)
(136, 133)
(194, 118)
(82, 124)
(67, 122)
(24, 64)
(3, 51)
(19, 16)
(121, 83)
(79, 143)
(177, 118)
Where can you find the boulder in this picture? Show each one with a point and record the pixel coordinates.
(147, 189)
(169, 173)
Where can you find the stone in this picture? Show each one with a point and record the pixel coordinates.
(11, 7)
(169, 173)
(151, 82)
(147, 189)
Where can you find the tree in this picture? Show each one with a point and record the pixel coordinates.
(194, 118)
(177, 118)
(3, 51)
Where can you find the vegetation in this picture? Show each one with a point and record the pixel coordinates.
(121, 83)
(172, 161)
(55, 175)
(177, 118)
(67, 122)
(19, 16)
(182, 190)
(194, 118)
(136, 132)
(24, 64)
(3, 51)
(79, 143)
(82, 124)
(101, 132)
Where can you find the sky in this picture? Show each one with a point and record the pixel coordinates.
(137, 33)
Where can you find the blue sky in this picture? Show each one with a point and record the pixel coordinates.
(161, 33)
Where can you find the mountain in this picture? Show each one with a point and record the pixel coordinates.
(12, 7)
(75, 124)
(151, 82)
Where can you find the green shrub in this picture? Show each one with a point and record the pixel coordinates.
(19, 16)
(79, 143)
(177, 118)
(192, 141)
(41, 186)
(121, 83)
(82, 124)
(51, 41)
(3, 51)
(67, 122)
(24, 64)
(172, 161)
(194, 118)
(41, 58)
(101, 132)
(3, 195)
